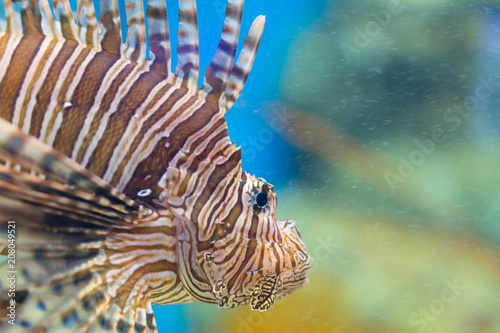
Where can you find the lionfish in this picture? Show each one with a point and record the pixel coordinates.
(119, 186)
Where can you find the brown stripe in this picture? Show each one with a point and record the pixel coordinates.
(203, 156)
(219, 174)
(119, 121)
(165, 108)
(45, 93)
(192, 125)
(16, 72)
(164, 229)
(65, 86)
(104, 107)
(252, 245)
(151, 166)
(161, 156)
(82, 101)
(32, 80)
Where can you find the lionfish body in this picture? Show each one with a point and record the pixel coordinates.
(119, 176)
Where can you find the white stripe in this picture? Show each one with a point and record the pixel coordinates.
(57, 124)
(142, 240)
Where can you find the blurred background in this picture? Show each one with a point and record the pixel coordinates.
(378, 123)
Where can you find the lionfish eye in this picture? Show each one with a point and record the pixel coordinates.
(261, 199)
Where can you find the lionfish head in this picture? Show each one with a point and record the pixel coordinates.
(252, 257)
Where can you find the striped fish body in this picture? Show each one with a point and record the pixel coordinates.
(113, 117)
(120, 175)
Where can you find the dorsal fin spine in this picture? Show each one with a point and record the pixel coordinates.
(187, 50)
(11, 18)
(47, 22)
(64, 20)
(240, 71)
(87, 23)
(217, 74)
(135, 47)
(111, 33)
(159, 38)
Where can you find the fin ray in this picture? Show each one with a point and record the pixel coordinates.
(72, 292)
(159, 38)
(63, 16)
(33, 154)
(187, 70)
(87, 23)
(135, 47)
(30, 195)
(111, 36)
(217, 74)
(240, 71)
